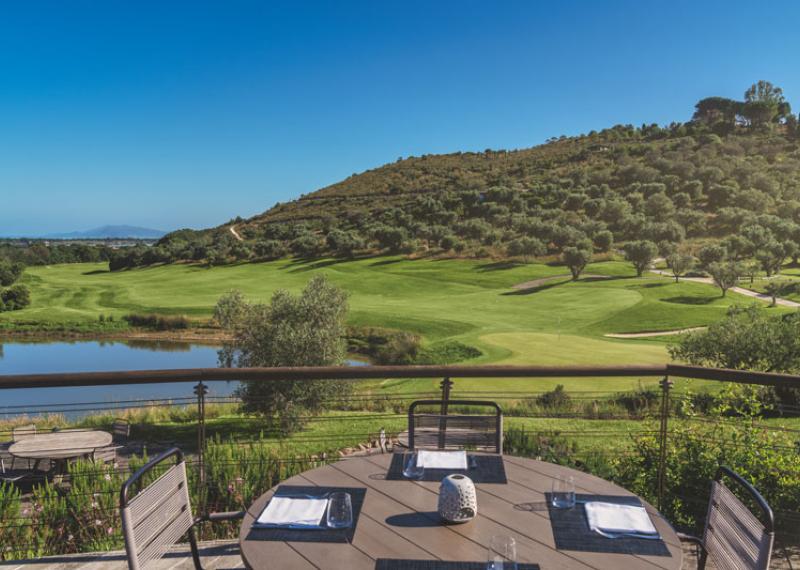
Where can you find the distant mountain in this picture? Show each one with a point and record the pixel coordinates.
(110, 232)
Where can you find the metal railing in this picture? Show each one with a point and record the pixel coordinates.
(665, 375)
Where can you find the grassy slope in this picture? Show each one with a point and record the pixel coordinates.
(561, 322)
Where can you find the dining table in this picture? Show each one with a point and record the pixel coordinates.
(60, 446)
(396, 525)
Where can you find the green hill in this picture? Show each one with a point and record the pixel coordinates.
(731, 174)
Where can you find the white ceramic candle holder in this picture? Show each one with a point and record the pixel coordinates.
(458, 502)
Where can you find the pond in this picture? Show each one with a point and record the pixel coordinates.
(98, 356)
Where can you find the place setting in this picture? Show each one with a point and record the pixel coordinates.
(601, 523)
(502, 555)
(435, 465)
(310, 514)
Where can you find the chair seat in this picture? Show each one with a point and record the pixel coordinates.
(18, 475)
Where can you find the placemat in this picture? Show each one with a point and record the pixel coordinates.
(571, 530)
(482, 469)
(343, 535)
(396, 564)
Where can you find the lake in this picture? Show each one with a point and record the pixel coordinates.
(98, 356)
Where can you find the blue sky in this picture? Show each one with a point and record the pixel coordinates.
(185, 114)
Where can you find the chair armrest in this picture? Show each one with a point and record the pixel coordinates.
(219, 517)
(689, 538)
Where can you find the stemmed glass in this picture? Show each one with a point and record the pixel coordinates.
(502, 553)
(411, 469)
(340, 510)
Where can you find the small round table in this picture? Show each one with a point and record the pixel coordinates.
(398, 520)
(60, 446)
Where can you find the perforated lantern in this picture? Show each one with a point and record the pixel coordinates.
(458, 502)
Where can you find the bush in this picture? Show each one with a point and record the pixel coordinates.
(556, 398)
(15, 298)
(447, 352)
(766, 458)
(399, 348)
(157, 322)
(304, 330)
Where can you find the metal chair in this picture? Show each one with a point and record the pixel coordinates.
(160, 514)
(442, 430)
(105, 454)
(18, 434)
(121, 430)
(734, 537)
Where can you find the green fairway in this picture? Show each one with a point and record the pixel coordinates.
(475, 302)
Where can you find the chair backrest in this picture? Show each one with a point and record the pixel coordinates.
(435, 430)
(159, 515)
(23, 432)
(121, 430)
(734, 537)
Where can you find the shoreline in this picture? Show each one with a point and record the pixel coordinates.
(200, 335)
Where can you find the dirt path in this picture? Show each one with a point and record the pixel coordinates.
(539, 282)
(235, 234)
(653, 333)
(740, 290)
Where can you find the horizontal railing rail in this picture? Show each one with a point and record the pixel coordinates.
(111, 378)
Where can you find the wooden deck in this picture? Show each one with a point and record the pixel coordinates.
(222, 555)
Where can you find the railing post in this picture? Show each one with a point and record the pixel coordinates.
(200, 391)
(666, 385)
(446, 385)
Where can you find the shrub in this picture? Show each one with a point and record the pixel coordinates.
(556, 398)
(15, 298)
(447, 352)
(304, 330)
(766, 458)
(157, 322)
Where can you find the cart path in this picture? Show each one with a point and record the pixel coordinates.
(741, 290)
(235, 233)
(654, 333)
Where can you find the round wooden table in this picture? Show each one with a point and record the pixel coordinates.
(398, 520)
(60, 446)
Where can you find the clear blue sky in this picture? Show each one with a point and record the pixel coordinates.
(185, 114)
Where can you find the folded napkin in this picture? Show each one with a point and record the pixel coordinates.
(293, 512)
(442, 459)
(618, 519)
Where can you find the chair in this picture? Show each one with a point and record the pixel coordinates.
(734, 537)
(437, 430)
(121, 430)
(105, 454)
(160, 514)
(18, 434)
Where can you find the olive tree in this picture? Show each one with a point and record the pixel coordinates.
(680, 264)
(292, 330)
(641, 254)
(576, 259)
(725, 274)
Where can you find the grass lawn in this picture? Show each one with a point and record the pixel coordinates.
(560, 322)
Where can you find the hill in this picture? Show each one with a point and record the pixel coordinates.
(729, 177)
(111, 232)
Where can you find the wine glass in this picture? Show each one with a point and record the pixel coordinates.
(502, 553)
(563, 495)
(340, 510)
(412, 469)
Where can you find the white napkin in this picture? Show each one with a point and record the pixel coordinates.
(442, 459)
(619, 519)
(293, 512)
